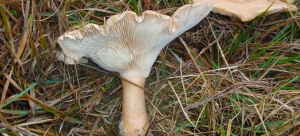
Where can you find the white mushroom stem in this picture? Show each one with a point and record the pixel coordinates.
(135, 119)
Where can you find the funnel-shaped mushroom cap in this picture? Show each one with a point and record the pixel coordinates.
(247, 10)
(127, 43)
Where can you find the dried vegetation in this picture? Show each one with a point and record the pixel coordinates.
(223, 77)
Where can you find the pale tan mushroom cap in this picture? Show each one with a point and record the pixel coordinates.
(127, 43)
(247, 10)
(290, 1)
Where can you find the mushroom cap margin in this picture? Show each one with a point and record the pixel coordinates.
(123, 45)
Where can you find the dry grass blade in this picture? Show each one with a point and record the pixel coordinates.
(7, 124)
(24, 37)
(184, 112)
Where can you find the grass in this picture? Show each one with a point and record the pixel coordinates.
(223, 77)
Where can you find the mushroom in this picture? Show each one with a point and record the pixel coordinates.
(129, 44)
(247, 10)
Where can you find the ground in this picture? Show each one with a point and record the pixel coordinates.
(222, 77)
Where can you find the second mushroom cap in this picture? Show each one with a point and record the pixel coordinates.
(247, 10)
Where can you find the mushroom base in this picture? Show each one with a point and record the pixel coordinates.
(134, 116)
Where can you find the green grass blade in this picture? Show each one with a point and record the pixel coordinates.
(247, 31)
(113, 81)
(268, 63)
(260, 53)
(113, 8)
(17, 112)
(286, 60)
(282, 32)
(135, 6)
(19, 95)
(296, 78)
(241, 38)
(196, 59)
